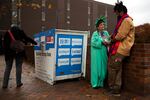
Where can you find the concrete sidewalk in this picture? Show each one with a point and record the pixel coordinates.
(35, 89)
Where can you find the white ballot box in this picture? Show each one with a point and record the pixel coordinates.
(60, 54)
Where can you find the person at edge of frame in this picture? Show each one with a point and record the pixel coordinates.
(10, 54)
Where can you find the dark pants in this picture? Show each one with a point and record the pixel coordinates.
(115, 72)
(9, 63)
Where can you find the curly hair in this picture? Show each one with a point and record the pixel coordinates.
(120, 7)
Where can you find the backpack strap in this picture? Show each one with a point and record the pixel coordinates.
(11, 35)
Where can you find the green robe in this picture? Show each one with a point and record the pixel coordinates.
(98, 60)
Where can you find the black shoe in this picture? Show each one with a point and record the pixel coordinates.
(95, 87)
(19, 85)
(4, 87)
(112, 93)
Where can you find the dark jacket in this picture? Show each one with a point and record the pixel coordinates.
(18, 35)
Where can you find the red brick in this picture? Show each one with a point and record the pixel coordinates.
(146, 45)
(147, 59)
(147, 80)
(147, 72)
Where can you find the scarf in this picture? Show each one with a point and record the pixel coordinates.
(115, 45)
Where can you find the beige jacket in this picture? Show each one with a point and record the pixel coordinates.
(126, 36)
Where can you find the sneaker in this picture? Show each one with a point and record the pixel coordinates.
(19, 85)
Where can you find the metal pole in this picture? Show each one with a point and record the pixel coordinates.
(106, 15)
(19, 13)
(117, 1)
(14, 13)
(43, 13)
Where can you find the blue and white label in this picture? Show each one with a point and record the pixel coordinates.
(63, 62)
(64, 41)
(75, 61)
(63, 51)
(76, 42)
(76, 51)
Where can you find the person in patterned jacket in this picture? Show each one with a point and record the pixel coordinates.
(122, 41)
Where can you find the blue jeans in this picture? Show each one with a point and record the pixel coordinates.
(9, 63)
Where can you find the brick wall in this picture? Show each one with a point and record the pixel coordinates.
(136, 69)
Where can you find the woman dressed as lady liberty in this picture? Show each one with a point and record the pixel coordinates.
(99, 41)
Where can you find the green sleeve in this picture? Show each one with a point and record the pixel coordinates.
(96, 40)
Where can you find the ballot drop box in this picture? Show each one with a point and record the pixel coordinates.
(60, 54)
